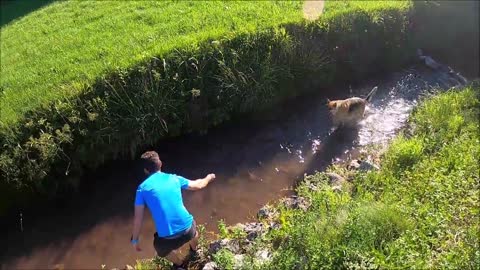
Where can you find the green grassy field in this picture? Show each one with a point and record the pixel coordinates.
(419, 211)
(53, 52)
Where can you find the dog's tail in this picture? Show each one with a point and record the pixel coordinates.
(369, 96)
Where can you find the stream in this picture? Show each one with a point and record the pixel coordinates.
(256, 162)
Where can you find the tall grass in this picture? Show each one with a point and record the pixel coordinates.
(420, 210)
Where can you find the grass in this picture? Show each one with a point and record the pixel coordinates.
(53, 52)
(419, 211)
(93, 87)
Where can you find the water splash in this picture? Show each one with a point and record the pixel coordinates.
(387, 114)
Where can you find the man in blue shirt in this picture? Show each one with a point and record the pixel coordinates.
(161, 193)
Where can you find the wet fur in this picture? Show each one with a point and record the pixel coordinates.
(350, 111)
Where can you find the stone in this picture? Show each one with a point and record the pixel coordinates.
(253, 230)
(296, 202)
(275, 225)
(335, 179)
(230, 244)
(128, 267)
(354, 165)
(337, 189)
(312, 186)
(368, 166)
(267, 212)
(263, 256)
(263, 212)
(210, 266)
(362, 165)
(238, 261)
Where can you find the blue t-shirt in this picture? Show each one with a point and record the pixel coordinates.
(161, 193)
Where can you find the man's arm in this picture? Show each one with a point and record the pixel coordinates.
(137, 225)
(200, 183)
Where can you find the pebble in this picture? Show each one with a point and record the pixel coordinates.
(210, 266)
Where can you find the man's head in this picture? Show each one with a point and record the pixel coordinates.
(151, 162)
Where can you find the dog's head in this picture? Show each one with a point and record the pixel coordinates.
(331, 104)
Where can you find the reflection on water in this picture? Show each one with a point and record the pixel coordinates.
(255, 163)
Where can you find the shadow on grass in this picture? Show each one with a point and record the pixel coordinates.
(15, 9)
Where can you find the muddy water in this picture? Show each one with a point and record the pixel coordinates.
(255, 162)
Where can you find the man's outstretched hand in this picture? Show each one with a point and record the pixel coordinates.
(210, 177)
(201, 183)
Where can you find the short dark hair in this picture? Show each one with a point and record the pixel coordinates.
(151, 161)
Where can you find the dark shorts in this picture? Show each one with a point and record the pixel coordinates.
(163, 246)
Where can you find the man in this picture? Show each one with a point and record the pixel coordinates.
(161, 193)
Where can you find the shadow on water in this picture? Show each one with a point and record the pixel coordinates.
(449, 31)
(255, 162)
(15, 9)
(335, 146)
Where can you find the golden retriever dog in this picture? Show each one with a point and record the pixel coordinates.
(350, 111)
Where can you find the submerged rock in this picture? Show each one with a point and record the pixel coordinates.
(457, 77)
(296, 202)
(454, 77)
(210, 266)
(429, 61)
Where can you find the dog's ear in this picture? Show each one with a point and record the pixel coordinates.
(328, 101)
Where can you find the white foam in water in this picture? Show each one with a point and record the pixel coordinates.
(381, 123)
(385, 117)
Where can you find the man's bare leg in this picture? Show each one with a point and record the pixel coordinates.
(174, 258)
(194, 242)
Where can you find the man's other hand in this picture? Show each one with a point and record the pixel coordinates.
(137, 247)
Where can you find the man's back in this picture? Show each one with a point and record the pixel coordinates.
(161, 193)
